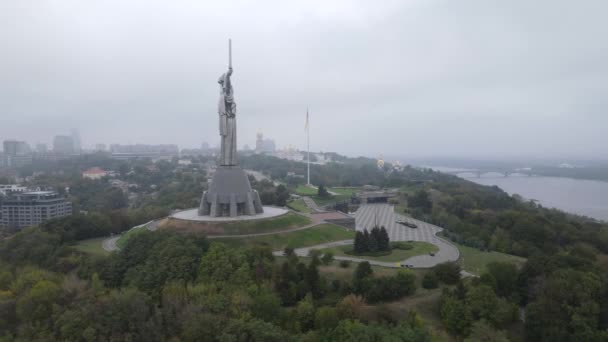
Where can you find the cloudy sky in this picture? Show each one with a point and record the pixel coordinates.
(412, 78)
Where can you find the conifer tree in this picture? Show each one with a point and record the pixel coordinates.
(385, 242)
(365, 240)
(359, 243)
(372, 245)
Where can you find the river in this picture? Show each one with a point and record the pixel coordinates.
(583, 197)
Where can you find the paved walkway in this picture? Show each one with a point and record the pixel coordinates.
(311, 204)
(370, 215)
(366, 217)
(260, 176)
(110, 245)
(263, 234)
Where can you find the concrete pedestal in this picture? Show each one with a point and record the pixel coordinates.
(230, 194)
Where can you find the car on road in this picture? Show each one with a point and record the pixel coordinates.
(432, 253)
(407, 265)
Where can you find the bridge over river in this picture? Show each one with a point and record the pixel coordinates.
(502, 172)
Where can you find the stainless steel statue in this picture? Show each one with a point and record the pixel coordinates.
(230, 193)
(227, 113)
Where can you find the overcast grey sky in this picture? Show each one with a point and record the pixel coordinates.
(413, 78)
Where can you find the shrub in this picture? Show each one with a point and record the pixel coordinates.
(344, 263)
(430, 281)
(402, 245)
(327, 258)
(447, 272)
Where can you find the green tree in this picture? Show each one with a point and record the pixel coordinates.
(421, 200)
(360, 245)
(363, 271)
(266, 304)
(447, 272)
(384, 242)
(282, 195)
(350, 307)
(430, 281)
(37, 303)
(567, 308)
(481, 331)
(305, 314)
(253, 330)
(373, 244)
(327, 258)
(506, 276)
(313, 279)
(484, 304)
(322, 192)
(455, 315)
(224, 265)
(326, 318)
(366, 239)
(362, 277)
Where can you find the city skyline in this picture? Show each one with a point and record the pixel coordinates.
(418, 77)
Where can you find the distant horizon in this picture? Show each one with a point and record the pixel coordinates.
(418, 160)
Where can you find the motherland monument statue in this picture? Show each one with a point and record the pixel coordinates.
(227, 112)
(230, 192)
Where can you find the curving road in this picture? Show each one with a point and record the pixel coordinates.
(110, 245)
(370, 215)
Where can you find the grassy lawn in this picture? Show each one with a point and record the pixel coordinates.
(321, 201)
(343, 194)
(299, 205)
(303, 190)
(92, 246)
(345, 191)
(474, 261)
(396, 255)
(301, 238)
(283, 222)
(128, 234)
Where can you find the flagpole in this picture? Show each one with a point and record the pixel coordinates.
(308, 145)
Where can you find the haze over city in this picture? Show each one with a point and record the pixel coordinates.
(411, 78)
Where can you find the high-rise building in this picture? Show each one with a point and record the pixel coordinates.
(76, 141)
(16, 153)
(15, 147)
(264, 145)
(63, 144)
(42, 148)
(25, 209)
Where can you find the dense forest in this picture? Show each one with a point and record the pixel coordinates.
(164, 286)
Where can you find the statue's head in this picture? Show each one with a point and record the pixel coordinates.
(221, 80)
